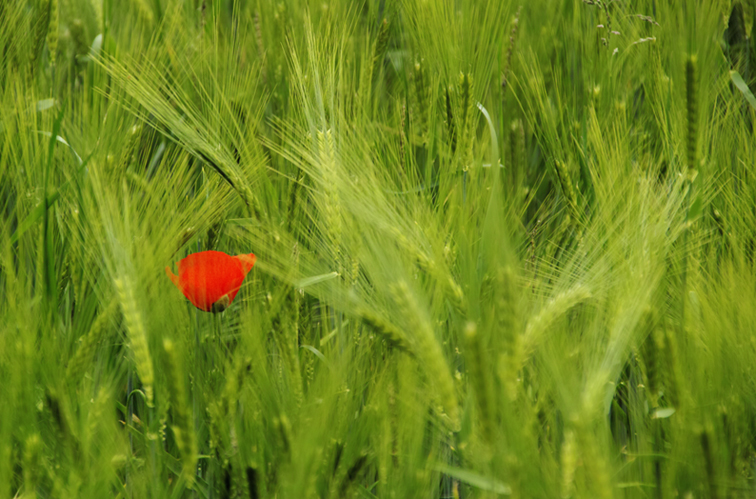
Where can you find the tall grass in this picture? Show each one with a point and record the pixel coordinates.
(502, 248)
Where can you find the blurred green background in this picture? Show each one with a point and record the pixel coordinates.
(503, 249)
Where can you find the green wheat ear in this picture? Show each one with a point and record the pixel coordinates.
(381, 43)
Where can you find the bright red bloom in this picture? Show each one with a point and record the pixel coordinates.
(211, 279)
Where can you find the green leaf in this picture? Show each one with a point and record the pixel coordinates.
(695, 208)
(96, 45)
(741, 84)
(63, 141)
(310, 281)
(317, 353)
(495, 157)
(474, 479)
(45, 104)
(663, 413)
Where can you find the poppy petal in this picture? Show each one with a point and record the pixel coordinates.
(247, 261)
(211, 279)
(173, 277)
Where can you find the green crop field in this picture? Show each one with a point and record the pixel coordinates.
(501, 249)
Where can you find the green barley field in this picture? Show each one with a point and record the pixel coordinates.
(502, 248)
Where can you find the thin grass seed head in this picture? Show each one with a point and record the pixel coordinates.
(211, 279)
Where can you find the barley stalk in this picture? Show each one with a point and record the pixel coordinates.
(653, 348)
(182, 427)
(671, 370)
(706, 448)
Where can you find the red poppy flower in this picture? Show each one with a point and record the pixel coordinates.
(211, 279)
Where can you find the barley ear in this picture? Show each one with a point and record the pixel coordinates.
(84, 355)
(692, 108)
(478, 365)
(32, 464)
(568, 188)
(428, 350)
(382, 42)
(137, 335)
(144, 11)
(569, 462)
(388, 331)
(40, 27)
(510, 50)
(53, 31)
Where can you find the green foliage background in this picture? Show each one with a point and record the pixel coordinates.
(503, 248)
